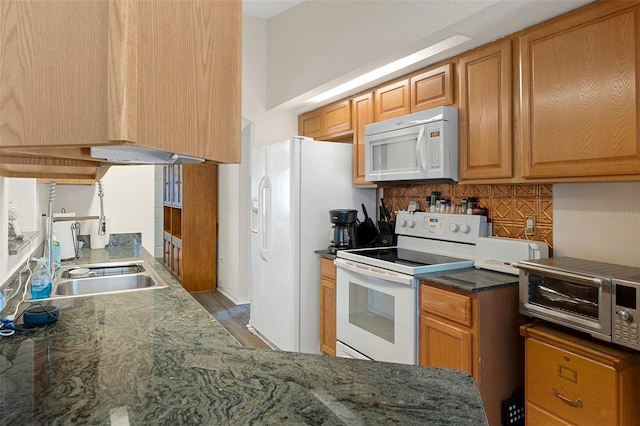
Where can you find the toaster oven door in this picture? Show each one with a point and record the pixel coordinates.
(579, 302)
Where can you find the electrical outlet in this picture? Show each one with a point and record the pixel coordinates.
(530, 225)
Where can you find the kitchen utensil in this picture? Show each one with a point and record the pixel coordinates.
(367, 231)
(387, 212)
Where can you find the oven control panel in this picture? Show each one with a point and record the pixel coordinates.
(461, 228)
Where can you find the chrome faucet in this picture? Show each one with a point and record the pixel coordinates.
(49, 242)
(102, 221)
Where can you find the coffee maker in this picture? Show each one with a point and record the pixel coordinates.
(343, 235)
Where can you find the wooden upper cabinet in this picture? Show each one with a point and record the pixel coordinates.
(485, 142)
(310, 124)
(153, 74)
(432, 88)
(363, 114)
(392, 100)
(331, 122)
(580, 82)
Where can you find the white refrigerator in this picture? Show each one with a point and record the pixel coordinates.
(294, 184)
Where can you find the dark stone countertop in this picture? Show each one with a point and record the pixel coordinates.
(157, 357)
(326, 253)
(470, 279)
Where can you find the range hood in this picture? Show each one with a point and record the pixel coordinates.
(136, 155)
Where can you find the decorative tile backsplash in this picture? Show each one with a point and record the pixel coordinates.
(507, 206)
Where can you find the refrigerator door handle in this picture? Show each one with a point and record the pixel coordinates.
(264, 217)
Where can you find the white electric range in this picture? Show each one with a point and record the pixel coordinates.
(377, 288)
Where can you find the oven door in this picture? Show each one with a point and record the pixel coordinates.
(377, 312)
(578, 302)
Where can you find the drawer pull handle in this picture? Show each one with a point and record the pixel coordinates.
(573, 402)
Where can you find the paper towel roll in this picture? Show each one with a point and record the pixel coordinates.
(63, 232)
(99, 241)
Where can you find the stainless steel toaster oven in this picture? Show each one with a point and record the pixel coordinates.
(597, 298)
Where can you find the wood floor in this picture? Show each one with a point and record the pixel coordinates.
(234, 318)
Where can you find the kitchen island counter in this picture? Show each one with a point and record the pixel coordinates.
(157, 357)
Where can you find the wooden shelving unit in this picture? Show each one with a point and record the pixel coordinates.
(190, 224)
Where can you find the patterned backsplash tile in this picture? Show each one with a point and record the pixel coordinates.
(507, 206)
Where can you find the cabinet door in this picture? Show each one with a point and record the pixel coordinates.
(156, 74)
(392, 100)
(53, 78)
(432, 88)
(167, 252)
(580, 83)
(485, 112)
(167, 179)
(328, 316)
(176, 258)
(176, 176)
(337, 118)
(363, 114)
(442, 345)
(310, 124)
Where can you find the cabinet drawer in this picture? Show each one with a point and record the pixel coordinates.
(327, 268)
(452, 306)
(538, 416)
(570, 386)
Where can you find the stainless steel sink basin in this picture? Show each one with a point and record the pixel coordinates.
(102, 270)
(105, 284)
(105, 278)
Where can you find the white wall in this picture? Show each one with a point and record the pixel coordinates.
(129, 202)
(597, 221)
(233, 232)
(260, 127)
(26, 195)
(270, 127)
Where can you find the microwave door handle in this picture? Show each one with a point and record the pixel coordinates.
(590, 281)
(421, 141)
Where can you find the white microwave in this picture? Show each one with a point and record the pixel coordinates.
(418, 146)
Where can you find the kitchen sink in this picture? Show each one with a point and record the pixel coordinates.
(105, 278)
(105, 284)
(103, 270)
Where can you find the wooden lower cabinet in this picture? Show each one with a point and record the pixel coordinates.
(327, 307)
(571, 379)
(445, 345)
(477, 333)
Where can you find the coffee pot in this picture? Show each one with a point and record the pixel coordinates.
(343, 231)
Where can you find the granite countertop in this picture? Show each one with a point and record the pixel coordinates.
(326, 253)
(157, 357)
(470, 279)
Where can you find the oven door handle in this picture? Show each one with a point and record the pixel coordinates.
(374, 272)
(590, 281)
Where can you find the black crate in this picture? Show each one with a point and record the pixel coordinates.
(513, 409)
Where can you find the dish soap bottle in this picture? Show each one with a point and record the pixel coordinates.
(41, 281)
(56, 251)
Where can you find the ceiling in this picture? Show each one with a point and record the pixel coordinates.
(292, 89)
(266, 9)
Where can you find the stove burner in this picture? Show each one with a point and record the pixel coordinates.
(407, 257)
